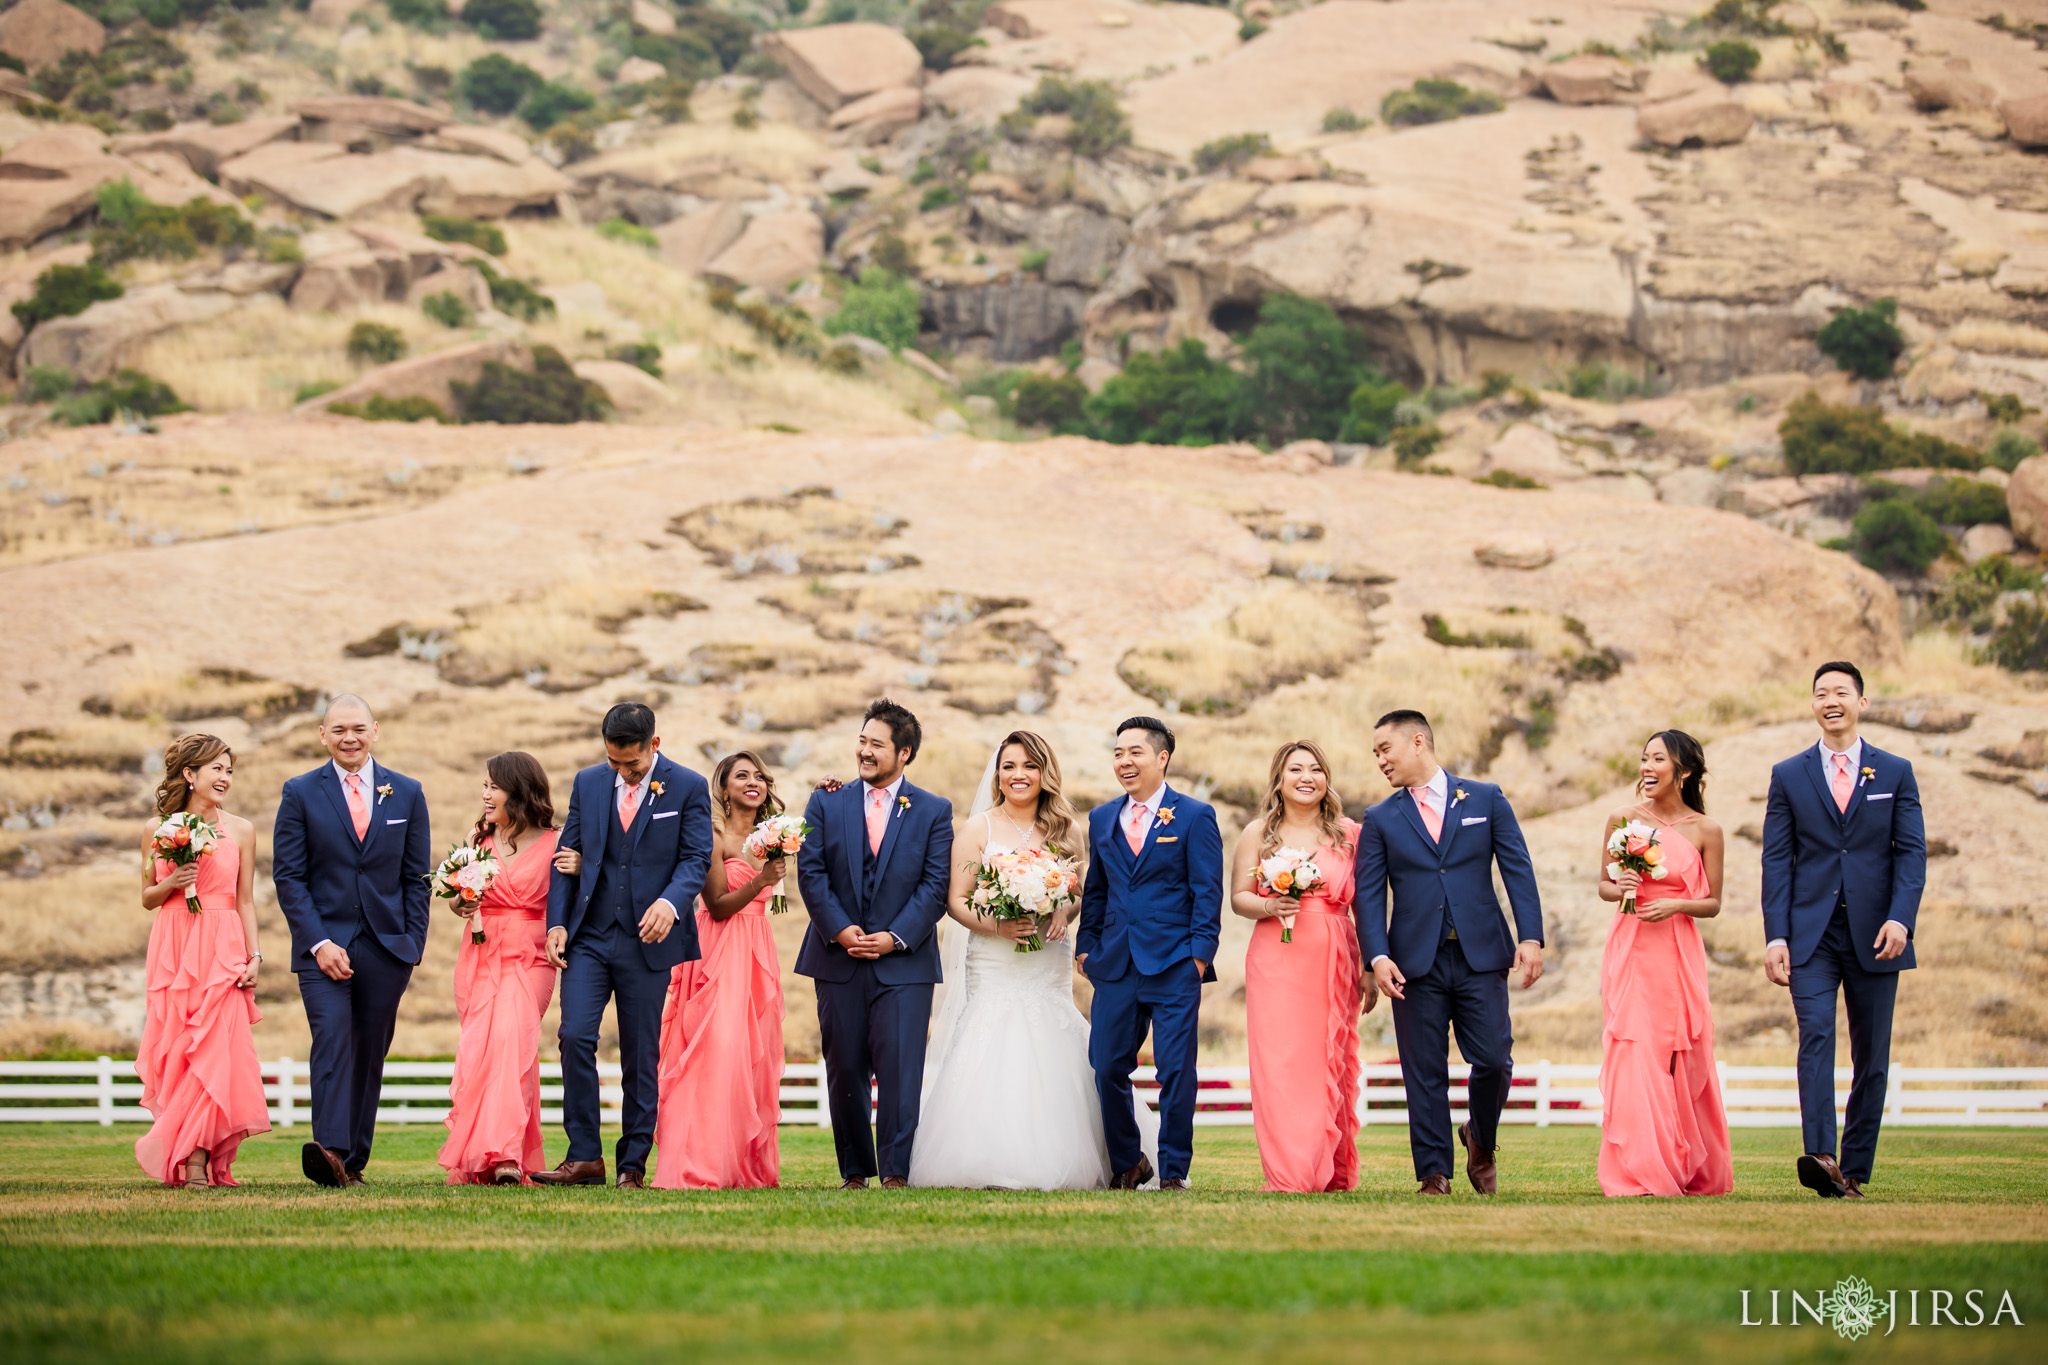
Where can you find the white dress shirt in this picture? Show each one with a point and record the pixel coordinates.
(1854, 753)
(889, 794)
(1151, 803)
(1439, 789)
(368, 777)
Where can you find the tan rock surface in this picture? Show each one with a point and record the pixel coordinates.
(652, 17)
(94, 343)
(349, 280)
(2026, 494)
(980, 94)
(688, 243)
(1947, 83)
(1709, 120)
(206, 145)
(774, 251)
(40, 32)
(274, 163)
(873, 118)
(505, 145)
(423, 376)
(636, 395)
(836, 64)
(2027, 119)
(1589, 79)
(638, 71)
(1113, 40)
(378, 113)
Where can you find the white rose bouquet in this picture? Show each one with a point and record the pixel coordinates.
(1288, 872)
(1028, 883)
(463, 877)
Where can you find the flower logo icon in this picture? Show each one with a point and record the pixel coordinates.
(1854, 1308)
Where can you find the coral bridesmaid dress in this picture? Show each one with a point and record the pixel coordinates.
(1301, 1012)
(1663, 1130)
(721, 1055)
(200, 1077)
(502, 988)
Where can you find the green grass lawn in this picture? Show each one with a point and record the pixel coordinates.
(100, 1265)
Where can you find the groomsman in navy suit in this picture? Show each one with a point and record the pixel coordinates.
(350, 857)
(616, 928)
(1445, 956)
(1845, 861)
(1151, 920)
(874, 874)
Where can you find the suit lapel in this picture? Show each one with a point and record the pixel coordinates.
(370, 796)
(1870, 755)
(1405, 798)
(644, 812)
(339, 799)
(1172, 799)
(1119, 847)
(1451, 826)
(853, 840)
(1818, 768)
(607, 813)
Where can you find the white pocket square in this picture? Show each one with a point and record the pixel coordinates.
(1473, 820)
(394, 822)
(1880, 796)
(665, 815)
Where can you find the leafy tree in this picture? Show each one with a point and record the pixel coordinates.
(1822, 439)
(1433, 101)
(1371, 410)
(1301, 364)
(1049, 401)
(1099, 125)
(448, 309)
(1864, 341)
(550, 392)
(881, 306)
(553, 101)
(1183, 396)
(496, 84)
(1730, 61)
(503, 21)
(65, 291)
(373, 343)
(1893, 536)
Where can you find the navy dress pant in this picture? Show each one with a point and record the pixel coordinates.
(1450, 994)
(607, 964)
(352, 1022)
(1868, 997)
(873, 1035)
(1169, 1004)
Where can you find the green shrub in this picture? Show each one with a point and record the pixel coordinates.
(1301, 365)
(505, 21)
(942, 29)
(430, 15)
(1432, 101)
(892, 253)
(1864, 341)
(618, 229)
(1099, 123)
(1971, 597)
(2009, 447)
(880, 306)
(639, 354)
(1230, 153)
(1609, 383)
(2005, 408)
(373, 343)
(782, 326)
(1343, 120)
(282, 248)
(1730, 61)
(447, 309)
(1508, 478)
(133, 228)
(2020, 641)
(549, 392)
(496, 84)
(47, 383)
(1963, 502)
(312, 389)
(129, 391)
(1179, 397)
(1033, 259)
(1821, 439)
(1049, 401)
(937, 197)
(516, 297)
(486, 237)
(1494, 383)
(415, 408)
(553, 101)
(65, 291)
(1416, 443)
(679, 54)
(1893, 536)
(1370, 415)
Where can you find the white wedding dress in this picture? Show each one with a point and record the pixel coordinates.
(1009, 1097)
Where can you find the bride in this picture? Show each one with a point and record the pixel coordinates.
(1009, 1097)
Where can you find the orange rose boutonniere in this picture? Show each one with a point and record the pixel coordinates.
(656, 787)
(1165, 816)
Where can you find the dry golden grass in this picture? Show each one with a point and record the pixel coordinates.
(1284, 633)
(21, 788)
(151, 692)
(2003, 338)
(107, 743)
(811, 531)
(796, 703)
(255, 357)
(78, 917)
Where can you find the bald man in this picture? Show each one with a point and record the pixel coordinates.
(350, 857)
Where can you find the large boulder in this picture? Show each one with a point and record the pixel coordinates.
(346, 118)
(1532, 453)
(690, 242)
(1710, 120)
(878, 117)
(2026, 494)
(1947, 83)
(473, 140)
(978, 94)
(486, 187)
(424, 376)
(350, 279)
(402, 179)
(273, 164)
(2026, 119)
(18, 282)
(634, 392)
(775, 251)
(93, 344)
(48, 179)
(206, 145)
(836, 64)
(40, 32)
(1590, 79)
(653, 18)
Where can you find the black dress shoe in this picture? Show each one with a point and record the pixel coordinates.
(1819, 1173)
(572, 1173)
(1134, 1177)
(322, 1167)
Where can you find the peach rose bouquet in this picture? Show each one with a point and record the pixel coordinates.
(185, 838)
(777, 837)
(1026, 883)
(1634, 848)
(1287, 872)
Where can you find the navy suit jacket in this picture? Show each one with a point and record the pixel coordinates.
(1453, 877)
(670, 853)
(902, 889)
(1875, 856)
(1162, 905)
(330, 883)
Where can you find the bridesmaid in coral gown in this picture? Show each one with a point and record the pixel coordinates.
(1302, 997)
(721, 1032)
(200, 1078)
(503, 984)
(1663, 1130)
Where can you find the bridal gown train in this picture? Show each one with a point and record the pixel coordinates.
(1010, 1099)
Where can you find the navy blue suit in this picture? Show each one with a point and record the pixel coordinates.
(874, 1014)
(369, 897)
(1145, 919)
(664, 856)
(1451, 942)
(1831, 880)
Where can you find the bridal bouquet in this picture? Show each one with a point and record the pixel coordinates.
(777, 837)
(182, 839)
(464, 875)
(1027, 883)
(1634, 847)
(1289, 872)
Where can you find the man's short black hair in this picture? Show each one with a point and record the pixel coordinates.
(1839, 666)
(1162, 738)
(1408, 720)
(904, 731)
(630, 725)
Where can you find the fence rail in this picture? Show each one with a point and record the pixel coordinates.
(1544, 1094)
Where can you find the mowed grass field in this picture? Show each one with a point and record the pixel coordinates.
(99, 1265)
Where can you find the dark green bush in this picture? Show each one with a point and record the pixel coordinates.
(1415, 443)
(47, 383)
(1431, 101)
(1821, 439)
(1230, 153)
(937, 197)
(503, 20)
(516, 297)
(1301, 365)
(549, 392)
(132, 228)
(488, 237)
(1370, 415)
(496, 84)
(1099, 123)
(679, 54)
(617, 229)
(943, 29)
(313, 388)
(1049, 401)
(373, 343)
(65, 291)
(782, 326)
(553, 101)
(892, 254)
(1730, 61)
(1971, 596)
(1864, 341)
(1508, 478)
(1343, 120)
(429, 15)
(2005, 408)
(415, 408)
(1893, 536)
(879, 305)
(730, 38)
(1183, 396)
(1963, 502)
(129, 391)
(639, 354)
(2009, 447)
(448, 309)
(1494, 383)
(2020, 641)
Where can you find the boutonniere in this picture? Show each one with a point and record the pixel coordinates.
(902, 804)
(656, 788)
(1457, 796)
(1868, 773)
(1165, 816)
(383, 792)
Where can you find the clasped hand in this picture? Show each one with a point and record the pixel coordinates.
(867, 946)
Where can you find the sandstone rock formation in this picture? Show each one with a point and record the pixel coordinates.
(40, 32)
(688, 243)
(206, 145)
(1705, 120)
(1589, 79)
(424, 376)
(773, 251)
(2027, 497)
(94, 343)
(836, 64)
(2027, 119)
(1947, 83)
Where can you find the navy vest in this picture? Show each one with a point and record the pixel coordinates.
(610, 896)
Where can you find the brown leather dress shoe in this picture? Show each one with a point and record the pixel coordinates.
(507, 1173)
(854, 1182)
(1435, 1184)
(1177, 1183)
(572, 1173)
(1479, 1167)
(322, 1167)
(354, 1180)
(1819, 1173)
(1852, 1188)
(632, 1180)
(895, 1182)
(1139, 1174)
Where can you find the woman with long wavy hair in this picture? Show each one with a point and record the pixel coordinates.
(503, 982)
(721, 1031)
(201, 1081)
(1303, 981)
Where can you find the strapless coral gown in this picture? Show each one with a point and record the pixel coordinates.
(721, 1055)
(502, 988)
(1662, 1127)
(1301, 1016)
(201, 1081)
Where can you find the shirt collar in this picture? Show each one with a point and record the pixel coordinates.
(892, 789)
(1854, 753)
(368, 774)
(1158, 799)
(1438, 786)
(619, 783)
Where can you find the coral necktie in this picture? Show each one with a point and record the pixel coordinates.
(1843, 784)
(629, 806)
(358, 808)
(1432, 820)
(1135, 835)
(878, 819)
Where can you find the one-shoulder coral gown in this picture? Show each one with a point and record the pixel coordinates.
(201, 1081)
(1662, 1128)
(502, 988)
(721, 1055)
(1301, 1015)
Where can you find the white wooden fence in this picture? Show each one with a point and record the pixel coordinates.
(1545, 1093)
